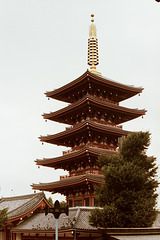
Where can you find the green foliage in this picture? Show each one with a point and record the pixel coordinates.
(3, 217)
(128, 197)
(50, 201)
(62, 203)
(105, 217)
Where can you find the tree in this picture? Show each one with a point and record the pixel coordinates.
(62, 203)
(128, 197)
(3, 217)
(50, 200)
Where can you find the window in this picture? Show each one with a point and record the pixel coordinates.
(86, 202)
(70, 203)
(78, 203)
(95, 203)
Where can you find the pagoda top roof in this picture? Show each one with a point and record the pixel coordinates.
(68, 182)
(21, 206)
(63, 92)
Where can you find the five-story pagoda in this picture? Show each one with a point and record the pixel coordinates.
(94, 116)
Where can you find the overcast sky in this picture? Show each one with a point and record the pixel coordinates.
(43, 45)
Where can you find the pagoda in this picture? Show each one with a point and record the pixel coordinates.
(94, 117)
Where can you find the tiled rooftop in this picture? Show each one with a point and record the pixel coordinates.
(19, 205)
(41, 222)
(70, 180)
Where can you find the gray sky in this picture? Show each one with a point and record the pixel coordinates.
(43, 45)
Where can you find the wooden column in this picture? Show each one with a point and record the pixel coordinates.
(83, 202)
(5, 234)
(14, 236)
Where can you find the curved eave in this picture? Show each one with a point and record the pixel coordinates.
(81, 128)
(69, 182)
(41, 205)
(27, 208)
(73, 156)
(60, 93)
(60, 115)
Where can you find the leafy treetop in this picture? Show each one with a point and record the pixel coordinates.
(128, 197)
(3, 217)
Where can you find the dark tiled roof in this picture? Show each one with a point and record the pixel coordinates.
(83, 127)
(100, 103)
(70, 181)
(61, 92)
(18, 206)
(73, 155)
(40, 222)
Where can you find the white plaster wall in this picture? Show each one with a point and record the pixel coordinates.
(18, 236)
(139, 237)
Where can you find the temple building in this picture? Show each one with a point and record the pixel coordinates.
(95, 121)
(27, 221)
(20, 210)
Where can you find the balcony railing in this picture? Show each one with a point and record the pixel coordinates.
(100, 121)
(93, 145)
(81, 172)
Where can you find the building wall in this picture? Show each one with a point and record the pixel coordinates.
(18, 236)
(138, 237)
(1, 236)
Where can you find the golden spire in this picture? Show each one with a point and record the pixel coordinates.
(93, 59)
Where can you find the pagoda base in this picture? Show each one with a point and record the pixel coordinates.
(82, 200)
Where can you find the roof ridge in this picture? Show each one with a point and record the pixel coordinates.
(88, 73)
(77, 214)
(67, 84)
(19, 197)
(39, 195)
(116, 82)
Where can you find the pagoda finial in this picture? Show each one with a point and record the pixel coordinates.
(93, 59)
(92, 29)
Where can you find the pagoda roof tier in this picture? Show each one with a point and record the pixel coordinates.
(69, 184)
(93, 105)
(74, 158)
(90, 82)
(84, 131)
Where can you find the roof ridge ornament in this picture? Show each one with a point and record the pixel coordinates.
(93, 58)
